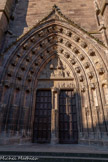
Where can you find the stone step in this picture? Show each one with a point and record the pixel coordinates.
(56, 157)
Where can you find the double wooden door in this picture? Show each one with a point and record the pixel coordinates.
(68, 132)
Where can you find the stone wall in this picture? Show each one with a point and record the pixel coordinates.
(29, 12)
(5, 12)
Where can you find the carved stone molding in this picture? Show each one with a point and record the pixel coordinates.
(90, 75)
(23, 67)
(10, 73)
(41, 33)
(32, 39)
(68, 44)
(25, 46)
(83, 89)
(91, 52)
(67, 55)
(82, 57)
(81, 78)
(68, 33)
(76, 38)
(28, 58)
(73, 61)
(19, 76)
(19, 54)
(93, 86)
(75, 50)
(14, 63)
(101, 71)
(83, 44)
(78, 70)
(86, 65)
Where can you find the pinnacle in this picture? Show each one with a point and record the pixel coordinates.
(56, 7)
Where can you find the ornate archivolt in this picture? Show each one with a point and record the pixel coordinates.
(54, 49)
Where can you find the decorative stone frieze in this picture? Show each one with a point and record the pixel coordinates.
(51, 39)
(78, 70)
(82, 57)
(32, 70)
(28, 59)
(68, 44)
(76, 38)
(83, 89)
(32, 39)
(29, 78)
(18, 87)
(60, 40)
(19, 76)
(50, 29)
(19, 54)
(14, 63)
(75, 50)
(61, 50)
(91, 52)
(69, 33)
(73, 61)
(33, 51)
(42, 44)
(7, 84)
(101, 71)
(93, 85)
(23, 67)
(67, 55)
(83, 44)
(90, 75)
(10, 73)
(42, 56)
(25, 46)
(81, 78)
(41, 34)
(60, 30)
(28, 90)
(36, 63)
(87, 65)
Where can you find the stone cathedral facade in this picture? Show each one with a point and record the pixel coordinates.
(54, 72)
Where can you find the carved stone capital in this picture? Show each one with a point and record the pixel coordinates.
(55, 89)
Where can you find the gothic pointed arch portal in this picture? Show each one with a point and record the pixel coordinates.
(59, 56)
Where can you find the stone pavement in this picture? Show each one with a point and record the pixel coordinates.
(65, 148)
(55, 153)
